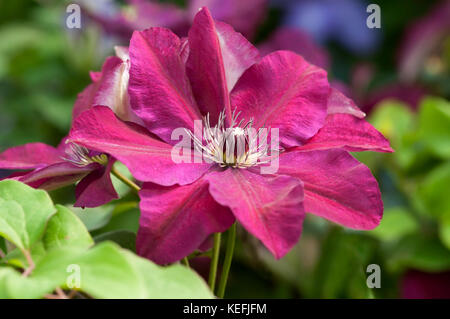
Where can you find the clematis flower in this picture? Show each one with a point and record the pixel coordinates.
(174, 83)
(50, 168)
(109, 88)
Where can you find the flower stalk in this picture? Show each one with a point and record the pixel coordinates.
(214, 261)
(231, 241)
(125, 180)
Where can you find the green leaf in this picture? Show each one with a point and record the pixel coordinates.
(17, 259)
(12, 224)
(66, 229)
(124, 238)
(121, 188)
(444, 229)
(418, 252)
(393, 119)
(434, 125)
(434, 191)
(396, 223)
(36, 205)
(125, 216)
(175, 282)
(107, 271)
(94, 218)
(14, 286)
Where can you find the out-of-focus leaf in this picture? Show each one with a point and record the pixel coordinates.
(396, 121)
(124, 217)
(434, 125)
(54, 109)
(16, 258)
(94, 218)
(124, 238)
(444, 229)
(13, 285)
(121, 188)
(419, 252)
(393, 119)
(344, 258)
(434, 191)
(396, 223)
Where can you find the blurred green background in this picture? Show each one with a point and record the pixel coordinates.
(44, 65)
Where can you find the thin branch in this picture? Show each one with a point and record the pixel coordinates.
(61, 293)
(30, 262)
(125, 180)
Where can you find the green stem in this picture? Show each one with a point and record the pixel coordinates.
(214, 262)
(124, 179)
(231, 240)
(185, 262)
(30, 262)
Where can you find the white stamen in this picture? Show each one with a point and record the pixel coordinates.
(238, 146)
(79, 156)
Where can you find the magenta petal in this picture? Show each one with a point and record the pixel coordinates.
(218, 56)
(337, 187)
(56, 175)
(159, 89)
(286, 92)
(96, 188)
(348, 132)
(147, 158)
(346, 128)
(244, 16)
(85, 99)
(176, 220)
(269, 207)
(29, 156)
(339, 103)
(109, 89)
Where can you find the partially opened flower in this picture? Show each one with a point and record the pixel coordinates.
(109, 88)
(49, 168)
(214, 74)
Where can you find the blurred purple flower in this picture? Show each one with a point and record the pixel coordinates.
(421, 285)
(422, 40)
(299, 42)
(411, 94)
(244, 16)
(342, 21)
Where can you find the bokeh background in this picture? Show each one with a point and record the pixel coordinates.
(398, 75)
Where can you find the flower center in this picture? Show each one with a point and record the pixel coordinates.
(238, 146)
(81, 156)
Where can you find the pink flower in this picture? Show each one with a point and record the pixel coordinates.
(50, 168)
(174, 82)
